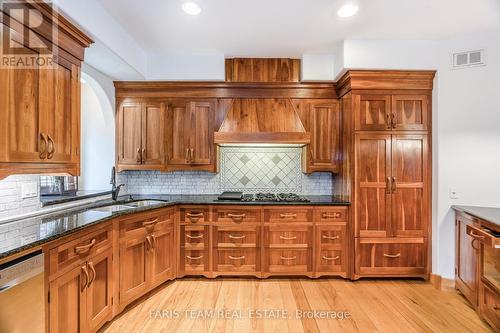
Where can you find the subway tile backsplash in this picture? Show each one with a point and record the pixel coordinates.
(246, 169)
(11, 201)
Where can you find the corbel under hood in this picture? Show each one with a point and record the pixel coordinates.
(261, 120)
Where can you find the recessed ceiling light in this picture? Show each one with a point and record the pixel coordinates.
(192, 8)
(348, 10)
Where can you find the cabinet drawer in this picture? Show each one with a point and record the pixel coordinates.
(194, 261)
(235, 260)
(228, 236)
(490, 306)
(141, 224)
(391, 257)
(289, 261)
(194, 237)
(68, 255)
(285, 214)
(236, 215)
(194, 214)
(288, 236)
(328, 214)
(331, 236)
(331, 261)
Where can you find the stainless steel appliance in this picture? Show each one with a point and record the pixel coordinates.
(22, 306)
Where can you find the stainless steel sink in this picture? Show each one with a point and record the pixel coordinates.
(145, 203)
(113, 208)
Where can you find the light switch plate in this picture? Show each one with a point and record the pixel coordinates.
(453, 193)
(29, 190)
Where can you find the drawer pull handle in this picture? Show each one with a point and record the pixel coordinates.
(476, 236)
(331, 215)
(149, 223)
(149, 244)
(194, 214)
(194, 258)
(238, 217)
(85, 248)
(392, 255)
(330, 237)
(194, 237)
(86, 273)
(236, 258)
(288, 238)
(288, 258)
(330, 258)
(237, 237)
(288, 215)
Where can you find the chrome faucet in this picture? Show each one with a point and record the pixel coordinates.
(115, 190)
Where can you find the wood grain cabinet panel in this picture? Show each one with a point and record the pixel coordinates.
(194, 254)
(410, 112)
(373, 172)
(134, 272)
(391, 257)
(372, 112)
(153, 135)
(288, 214)
(331, 214)
(490, 306)
(129, 134)
(163, 254)
(322, 119)
(288, 261)
(236, 236)
(179, 120)
(236, 261)
(466, 260)
(194, 214)
(283, 236)
(236, 215)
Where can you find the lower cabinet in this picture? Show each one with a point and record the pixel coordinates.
(331, 250)
(466, 260)
(194, 254)
(489, 306)
(81, 299)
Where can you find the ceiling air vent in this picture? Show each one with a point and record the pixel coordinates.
(469, 59)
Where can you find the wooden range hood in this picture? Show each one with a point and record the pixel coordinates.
(263, 120)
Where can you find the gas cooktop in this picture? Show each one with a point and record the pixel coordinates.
(262, 197)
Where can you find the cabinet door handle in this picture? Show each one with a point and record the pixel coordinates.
(153, 242)
(388, 121)
(85, 248)
(330, 258)
(392, 255)
(388, 185)
(191, 154)
(394, 185)
(237, 217)
(236, 258)
(393, 120)
(330, 237)
(288, 258)
(288, 215)
(143, 155)
(237, 237)
(288, 238)
(187, 155)
(331, 215)
(51, 147)
(86, 273)
(92, 269)
(194, 237)
(43, 152)
(138, 155)
(195, 258)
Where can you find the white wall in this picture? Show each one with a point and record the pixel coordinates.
(318, 67)
(97, 130)
(203, 67)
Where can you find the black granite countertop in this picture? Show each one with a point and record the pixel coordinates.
(489, 214)
(48, 200)
(20, 235)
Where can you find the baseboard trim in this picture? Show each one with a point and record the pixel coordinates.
(441, 283)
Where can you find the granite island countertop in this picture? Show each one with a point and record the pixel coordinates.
(23, 234)
(489, 214)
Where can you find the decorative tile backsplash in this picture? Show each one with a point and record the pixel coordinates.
(246, 169)
(251, 169)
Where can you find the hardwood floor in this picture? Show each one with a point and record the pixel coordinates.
(373, 306)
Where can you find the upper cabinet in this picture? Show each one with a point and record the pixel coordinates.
(262, 70)
(140, 136)
(40, 128)
(190, 138)
(322, 119)
(374, 112)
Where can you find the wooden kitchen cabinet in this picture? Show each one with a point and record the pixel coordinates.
(191, 135)
(466, 261)
(322, 119)
(140, 136)
(40, 128)
(162, 254)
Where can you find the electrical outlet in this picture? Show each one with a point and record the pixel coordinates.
(29, 190)
(453, 193)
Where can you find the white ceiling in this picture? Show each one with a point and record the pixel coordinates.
(293, 27)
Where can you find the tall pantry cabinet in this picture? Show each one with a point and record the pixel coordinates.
(387, 170)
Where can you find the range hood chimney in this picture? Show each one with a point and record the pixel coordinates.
(261, 120)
